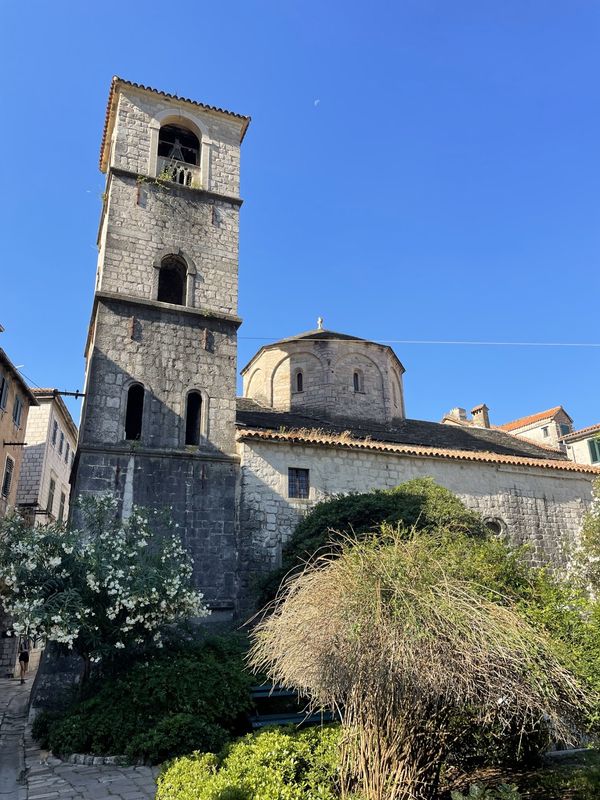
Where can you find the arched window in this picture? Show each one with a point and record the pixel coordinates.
(357, 381)
(299, 381)
(134, 412)
(178, 144)
(193, 417)
(171, 280)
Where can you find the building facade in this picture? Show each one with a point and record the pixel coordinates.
(158, 421)
(583, 445)
(44, 483)
(546, 427)
(323, 413)
(15, 402)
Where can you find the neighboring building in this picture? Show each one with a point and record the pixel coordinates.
(583, 446)
(322, 412)
(547, 427)
(15, 401)
(44, 488)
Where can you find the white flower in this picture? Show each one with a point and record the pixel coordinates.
(119, 645)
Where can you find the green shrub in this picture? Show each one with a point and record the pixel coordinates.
(177, 735)
(276, 764)
(199, 692)
(419, 503)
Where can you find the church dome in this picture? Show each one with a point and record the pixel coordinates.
(331, 374)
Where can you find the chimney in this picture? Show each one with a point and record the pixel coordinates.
(459, 414)
(481, 417)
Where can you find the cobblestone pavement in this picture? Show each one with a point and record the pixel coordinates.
(24, 776)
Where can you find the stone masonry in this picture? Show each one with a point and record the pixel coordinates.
(170, 349)
(538, 506)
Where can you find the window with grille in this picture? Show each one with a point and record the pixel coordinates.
(51, 491)
(298, 482)
(4, 384)
(17, 411)
(594, 447)
(8, 473)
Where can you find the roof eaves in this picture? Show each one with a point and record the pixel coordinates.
(16, 374)
(581, 434)
(416, 450)
(531, 419)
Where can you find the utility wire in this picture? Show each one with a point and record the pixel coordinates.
(430, 341)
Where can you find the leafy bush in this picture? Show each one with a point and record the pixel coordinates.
(189, 698)
(176, 735)
(276, 764)
(419, 504)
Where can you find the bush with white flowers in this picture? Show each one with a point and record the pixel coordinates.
(110, 585)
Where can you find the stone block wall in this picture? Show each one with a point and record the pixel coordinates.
(328, 367)
(139, 116)
(145, 222)
(170, 352)
(543, 507)
(200, 494)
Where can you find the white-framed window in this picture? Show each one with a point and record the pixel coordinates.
(4, 386)
(18, 411)
(61, 507)
(51, 491)
(9, 467)
(594, 448)
(545, 432)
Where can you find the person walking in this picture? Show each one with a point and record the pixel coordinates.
(23, 657)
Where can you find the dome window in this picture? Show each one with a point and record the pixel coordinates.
(357, 381)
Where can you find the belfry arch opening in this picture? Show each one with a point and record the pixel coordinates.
(193, 418)
(171, 280)
(134, 412)
(179, 144)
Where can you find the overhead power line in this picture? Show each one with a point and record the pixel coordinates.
(436, 342)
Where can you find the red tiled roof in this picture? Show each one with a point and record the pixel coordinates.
(581, 433)
(319, 438)
(111, 97)
(523, 421)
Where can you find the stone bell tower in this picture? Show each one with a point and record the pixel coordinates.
(159, 413)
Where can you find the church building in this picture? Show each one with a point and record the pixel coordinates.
(322, 412)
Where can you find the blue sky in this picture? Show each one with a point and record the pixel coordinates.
(414, 170)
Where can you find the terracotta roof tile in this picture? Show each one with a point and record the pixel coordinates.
(328, 440)
(582, 433)
(405, 432)
(524, 421)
